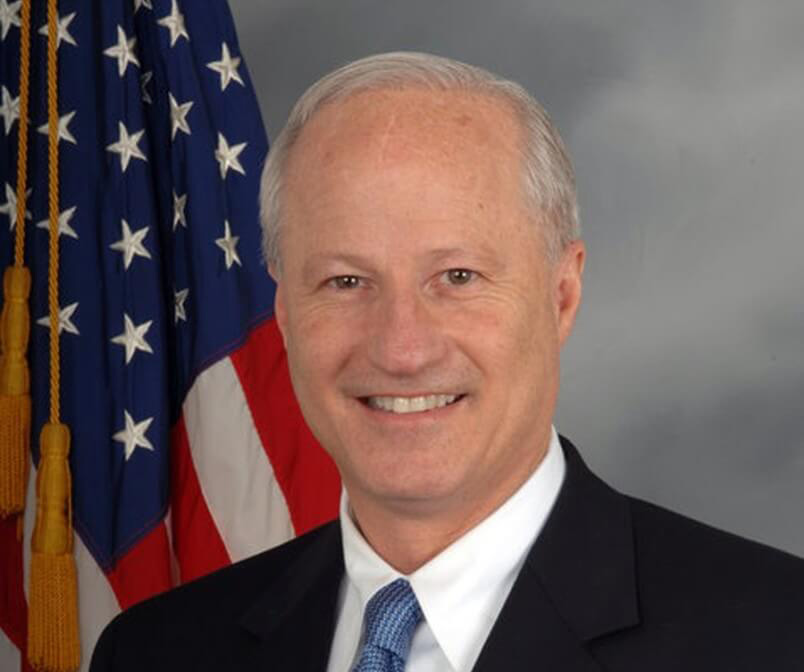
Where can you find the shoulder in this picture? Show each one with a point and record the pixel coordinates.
(675, 557)
(231, 587)
(201, 614)
(672, 545)
(678, 594)
(742, 594)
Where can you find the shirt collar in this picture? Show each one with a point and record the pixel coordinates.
(462, 590)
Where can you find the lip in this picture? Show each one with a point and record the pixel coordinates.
(418, 417)
(411, 395)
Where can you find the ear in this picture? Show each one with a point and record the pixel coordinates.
(568, 275)
(280, 310)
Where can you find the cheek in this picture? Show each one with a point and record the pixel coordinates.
(321, 340)
(517, 351)
(506, 331)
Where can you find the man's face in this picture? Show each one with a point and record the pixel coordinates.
(412, 275)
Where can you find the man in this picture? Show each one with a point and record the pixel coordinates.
(420, 220)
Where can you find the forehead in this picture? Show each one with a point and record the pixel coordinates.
(395, 127)
(407, 170)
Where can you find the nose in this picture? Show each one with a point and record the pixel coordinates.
(406, 337)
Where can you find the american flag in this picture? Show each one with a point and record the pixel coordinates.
(189, 451)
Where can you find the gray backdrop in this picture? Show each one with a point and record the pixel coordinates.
(684, 380)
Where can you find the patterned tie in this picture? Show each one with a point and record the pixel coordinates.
(392, 615)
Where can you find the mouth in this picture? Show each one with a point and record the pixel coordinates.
(406, 405)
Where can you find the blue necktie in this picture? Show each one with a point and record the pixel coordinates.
(391, 616)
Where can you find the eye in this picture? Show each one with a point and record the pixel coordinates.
(344, 282)
(459, 276)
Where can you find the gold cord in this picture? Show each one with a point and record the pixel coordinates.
(53, 638)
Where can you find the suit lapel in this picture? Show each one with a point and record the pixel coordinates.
(530, 635)
(290, 626)
(578, 582)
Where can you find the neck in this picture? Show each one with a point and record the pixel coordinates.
(408, 536)
(408, 543)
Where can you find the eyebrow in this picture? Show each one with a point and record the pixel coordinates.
(485, 254)
(319, 258)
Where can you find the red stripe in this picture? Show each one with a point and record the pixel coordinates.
(13, 608)
(305, 473)
(197, 543)
(144, 570)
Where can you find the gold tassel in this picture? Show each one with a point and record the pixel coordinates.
(15, 399)
(53, 637)
(53, 640)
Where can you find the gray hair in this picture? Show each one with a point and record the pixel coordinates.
(549, 179)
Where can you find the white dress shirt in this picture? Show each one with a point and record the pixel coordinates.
(462, 590)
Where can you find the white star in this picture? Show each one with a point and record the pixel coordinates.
(65, 320)
(133, 338)
(10, 109)
(64, 131)
(10, 206)
(142, 3)
(226, 68)
(123, 51)
(62, 32)
(179, 203)
(133, 435)
(9, 16)
(131, 244)
(64, 223)
(126, 146)
(145, 79)
(227, 156)
(175, 23)
(178, 116)
(229, 246)
(180, 298)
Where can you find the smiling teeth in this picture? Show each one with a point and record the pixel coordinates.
(411, 404)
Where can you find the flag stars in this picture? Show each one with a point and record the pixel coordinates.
(180, 297)
(126, 146)
(226, 68)
(64, 223)
(174, 22)
(64, 128)
(10, 109)
(179, 204)
(65, 320)
(133, 337)
(229, 246)
(178, 116)
(9, 16)
(10, 206)
(132, 436)
(227, 156)
(62, 30)
(131, 244)
(145, 80)
(123, 51)
(142, 3)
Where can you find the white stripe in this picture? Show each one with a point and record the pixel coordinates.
(97, 604)
(236, 477)
(174, 563)
(29, 518)
(10, 660)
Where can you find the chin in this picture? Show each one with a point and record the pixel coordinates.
(412, 493)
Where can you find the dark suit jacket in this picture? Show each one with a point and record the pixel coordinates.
(612, 584)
